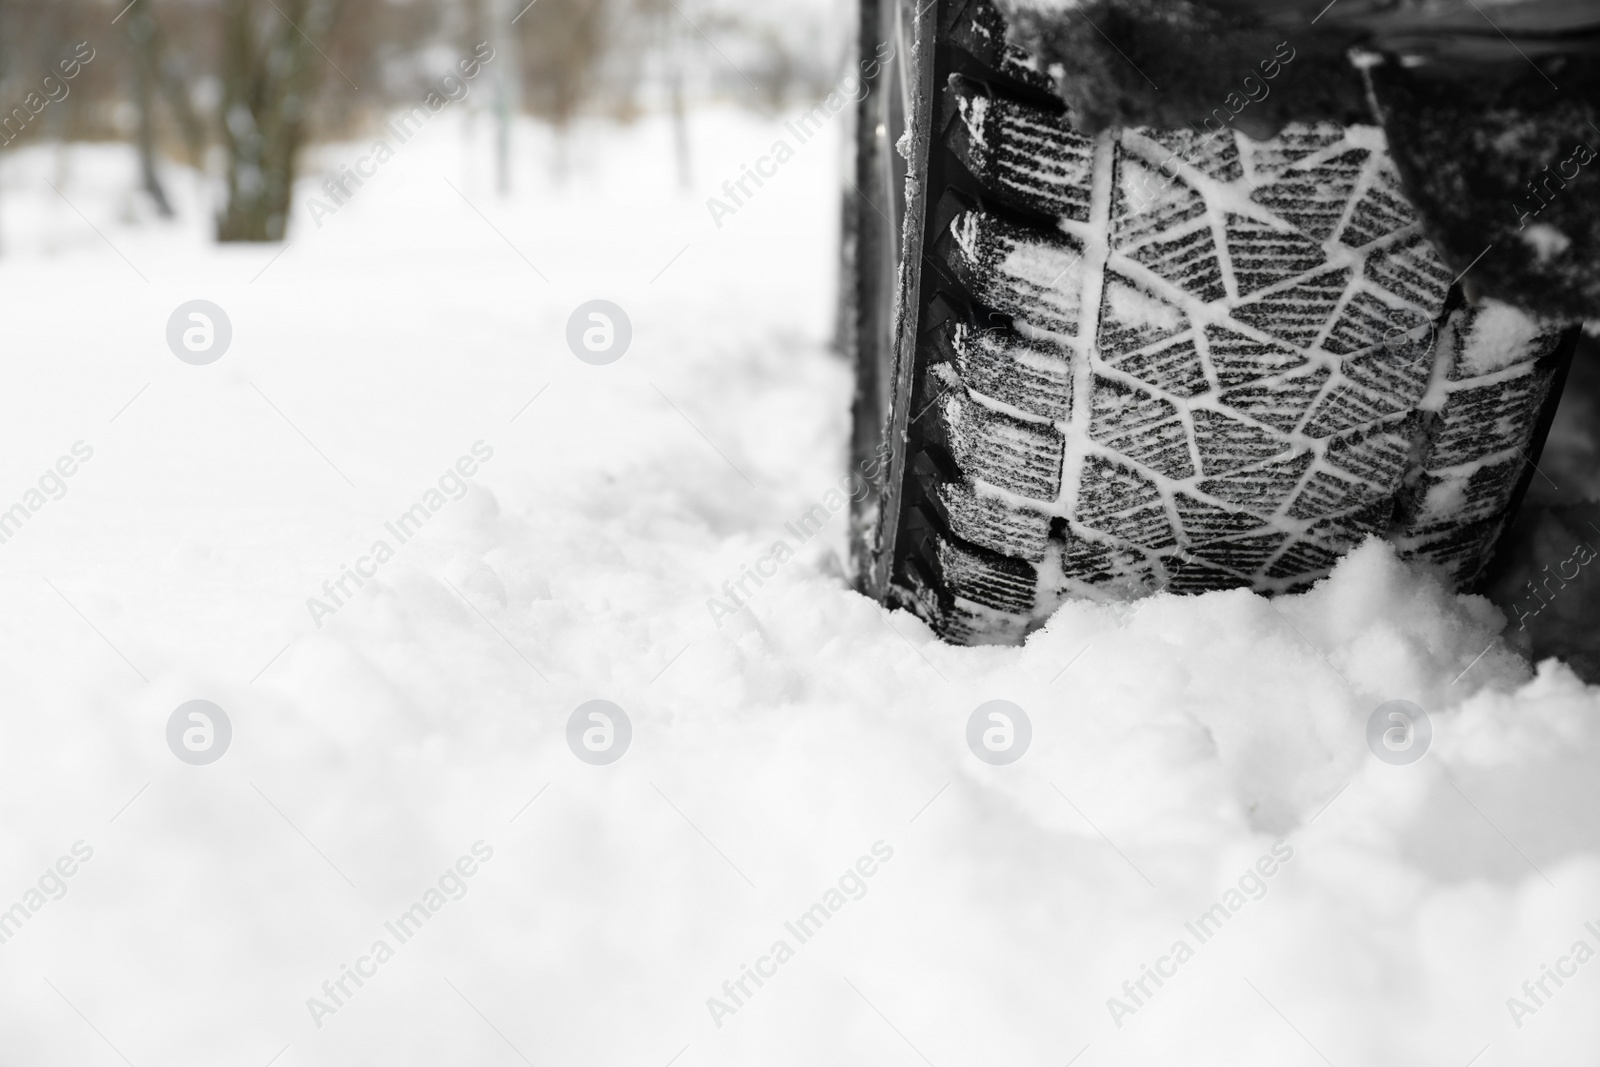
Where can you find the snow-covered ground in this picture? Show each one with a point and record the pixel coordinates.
(809, 750)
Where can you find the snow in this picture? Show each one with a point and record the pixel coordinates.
(1499, 336)
(1546, 241)
(974, 110)
(422, 729)
(1054, 272)
(1139, 310)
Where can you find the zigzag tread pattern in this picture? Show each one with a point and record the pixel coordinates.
(1260, 321)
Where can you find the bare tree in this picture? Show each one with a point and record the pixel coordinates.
(144, 36)
(667, 25)
(507, 79)
(562, 43)
(270, 68)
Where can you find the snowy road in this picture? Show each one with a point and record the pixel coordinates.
(399, 772)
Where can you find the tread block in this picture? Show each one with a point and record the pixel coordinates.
(1269, 159)
(1460, 549)
(1298, 313)
(1382, 373)
(1381, 211)
(1116, 499)
(1326, 491)
(1229, 444)
(1172, 366)
(1367, 322)
(1149, 205)
(1204, 522)
(1345, 406)
(994, 447)
(1096, 562)
(1411, 269)
(1188, 575)
(1484, 419)
(979, 30)
(993, 522)
(1108, 486)
(998, 362)
(1239, 359)
(1344, 532)
(1441, 499)
(1376, 455)
(1262, 488)
(1159, 221)
(956, 619)
(1147, 527)
(1214, 155)
(1264, 255)
(1304, 561)
(1023, 155)
(1031, 276)
(1189, 260)
(1140, 425)
(1132, 317)
(1314, 199)
(1242, 555)
(1280, 402)
(985, 578)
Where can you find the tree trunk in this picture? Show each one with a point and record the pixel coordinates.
(146, 71)
(680, 120)
(507, 87)
(171, 79)
(270, 69)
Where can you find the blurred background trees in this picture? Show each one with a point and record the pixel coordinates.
(238, 88)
